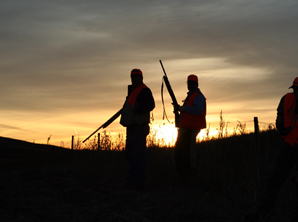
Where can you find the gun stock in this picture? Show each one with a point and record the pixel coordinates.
(106, 124)
(172, 95)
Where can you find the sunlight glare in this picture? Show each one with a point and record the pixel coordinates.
(166, 134)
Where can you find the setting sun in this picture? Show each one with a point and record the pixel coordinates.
(166, 134)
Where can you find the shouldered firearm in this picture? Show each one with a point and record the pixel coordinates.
(175, 103)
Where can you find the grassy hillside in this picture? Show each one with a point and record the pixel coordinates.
(47, 183)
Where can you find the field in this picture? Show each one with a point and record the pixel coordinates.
(48, 183)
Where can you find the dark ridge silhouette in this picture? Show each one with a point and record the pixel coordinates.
(13, 148)
(6, 142)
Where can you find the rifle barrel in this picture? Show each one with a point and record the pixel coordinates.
(172, 95)
(106, 124)
(164, 71)
(170, 90)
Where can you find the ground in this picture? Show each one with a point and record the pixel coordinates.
(48, 183)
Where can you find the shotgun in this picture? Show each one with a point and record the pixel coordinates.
(106, 124)
(175, 103)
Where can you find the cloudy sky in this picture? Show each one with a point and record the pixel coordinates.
(65, 65)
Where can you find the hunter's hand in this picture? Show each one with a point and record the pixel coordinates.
(176, 108)
(181, 108)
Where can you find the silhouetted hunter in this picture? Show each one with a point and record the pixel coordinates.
(287, 125)
(192, 120)
(135, 117)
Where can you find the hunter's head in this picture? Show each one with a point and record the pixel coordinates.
(192, 83)
(295, 87)
(136, 76)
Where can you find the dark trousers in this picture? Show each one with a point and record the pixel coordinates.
(182, 153)
(136, 154)
(286, 160)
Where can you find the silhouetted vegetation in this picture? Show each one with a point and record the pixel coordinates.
(46, 183)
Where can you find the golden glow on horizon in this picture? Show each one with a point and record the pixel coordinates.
(63, 128)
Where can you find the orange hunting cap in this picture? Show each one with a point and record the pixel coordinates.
(192, 77)
(136, 71)
(295, 83)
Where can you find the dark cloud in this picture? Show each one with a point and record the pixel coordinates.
(9, 127)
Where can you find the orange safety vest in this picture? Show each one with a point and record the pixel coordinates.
(290, 120)
(190, 121)
(128, 116)
(133, 96)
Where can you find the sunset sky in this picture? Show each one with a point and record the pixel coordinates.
(65, 65)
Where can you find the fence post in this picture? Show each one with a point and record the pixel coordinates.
(256, 123)
(98, 141)
(72, 139)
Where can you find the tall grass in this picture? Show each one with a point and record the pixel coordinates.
(106, 142)
(117, 142)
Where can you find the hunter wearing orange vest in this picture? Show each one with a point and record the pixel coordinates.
(135, 117)
(192, 120)
(287, 125)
